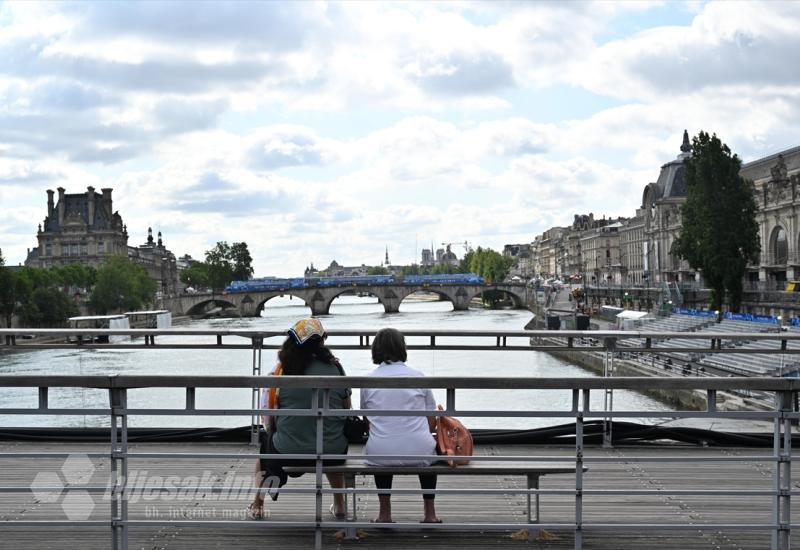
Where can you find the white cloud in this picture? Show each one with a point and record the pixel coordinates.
(322, 130)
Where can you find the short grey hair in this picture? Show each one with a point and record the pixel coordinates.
(389, 346)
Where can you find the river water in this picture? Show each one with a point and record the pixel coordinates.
(349, 312)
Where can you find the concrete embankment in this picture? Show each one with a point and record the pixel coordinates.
(594, 362)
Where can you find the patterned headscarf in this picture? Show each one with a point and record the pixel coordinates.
(305, 329)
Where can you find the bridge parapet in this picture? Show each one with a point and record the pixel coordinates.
(319, 299)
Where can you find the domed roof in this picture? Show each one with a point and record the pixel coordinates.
(671, 182)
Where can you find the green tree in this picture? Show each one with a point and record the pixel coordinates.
(719, 231)
(490, 264)
(48, 307)
(121, 286)
(239, 255)
(15, 293)
(196, 275)
(76, 275)
(224, 263)
(377, 270)
(219, 266)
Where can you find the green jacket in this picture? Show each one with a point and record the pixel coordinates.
(298, 434)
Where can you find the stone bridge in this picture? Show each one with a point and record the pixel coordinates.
(319, 299)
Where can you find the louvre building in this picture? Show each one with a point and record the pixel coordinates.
(84, 228)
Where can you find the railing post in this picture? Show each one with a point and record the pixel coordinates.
(258, 346)
(782, 447)
(608, 396)
(320, 424)
(579, 464)
(119, 469)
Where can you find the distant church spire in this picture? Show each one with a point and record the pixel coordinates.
(386, 261)
(686, 147)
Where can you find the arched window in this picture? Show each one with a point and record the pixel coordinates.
(779, 247)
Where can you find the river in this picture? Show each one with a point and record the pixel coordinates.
(348, 312)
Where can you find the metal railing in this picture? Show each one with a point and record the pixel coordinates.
(118, 411)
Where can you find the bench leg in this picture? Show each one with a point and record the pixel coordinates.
(350, 532)
(533, 483)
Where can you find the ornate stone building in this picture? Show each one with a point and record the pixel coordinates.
(661, 202)
(79, 228)
(776, 185)
(84, 228)
(630, 269)
(642, 253)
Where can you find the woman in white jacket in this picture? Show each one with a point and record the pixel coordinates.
(399, 435)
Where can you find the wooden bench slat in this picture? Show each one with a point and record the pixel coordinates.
(470, 469)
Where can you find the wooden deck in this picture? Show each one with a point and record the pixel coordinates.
(622, 473)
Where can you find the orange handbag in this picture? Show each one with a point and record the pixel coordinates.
(453, 439)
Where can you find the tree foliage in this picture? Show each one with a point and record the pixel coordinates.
(489, 264)
(377, 270)
(242, 262)
(224, 263)
(121, 286)
(48, 307)
(719, 231)
(196, 275)
(15, 294)
(35, 296)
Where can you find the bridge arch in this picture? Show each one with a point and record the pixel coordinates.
(517, 300)
(446, 296)
(200, 308)
(325, 302)
(260, 301)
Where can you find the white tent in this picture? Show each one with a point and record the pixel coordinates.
(629, 320)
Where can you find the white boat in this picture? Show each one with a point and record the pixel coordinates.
(160, 318)
(96, 322)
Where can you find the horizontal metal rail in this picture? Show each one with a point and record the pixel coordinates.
(118, 386)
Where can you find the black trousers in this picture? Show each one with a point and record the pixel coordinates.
(426, 481)
(274, 466)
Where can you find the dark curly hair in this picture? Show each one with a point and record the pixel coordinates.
(296, 358)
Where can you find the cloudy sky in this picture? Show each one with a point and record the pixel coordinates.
(316, 131)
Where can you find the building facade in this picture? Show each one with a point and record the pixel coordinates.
(638, 250)
(79, 228)
(776, 186)
(84, 228)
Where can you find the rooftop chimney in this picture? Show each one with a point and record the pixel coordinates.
(50, 204)
(107, 204)
(62, 205)
(90, 195)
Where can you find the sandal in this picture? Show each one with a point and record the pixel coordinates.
(255, 511)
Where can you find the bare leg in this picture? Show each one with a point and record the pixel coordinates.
(430, 511)
(384, 501)
(337, 482)
(429, 482)
(257, 506)
(384, 509)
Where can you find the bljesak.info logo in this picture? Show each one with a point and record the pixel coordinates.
(165, 497)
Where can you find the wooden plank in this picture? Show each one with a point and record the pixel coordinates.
(624, 472)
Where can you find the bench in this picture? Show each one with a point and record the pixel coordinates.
(531, 471)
